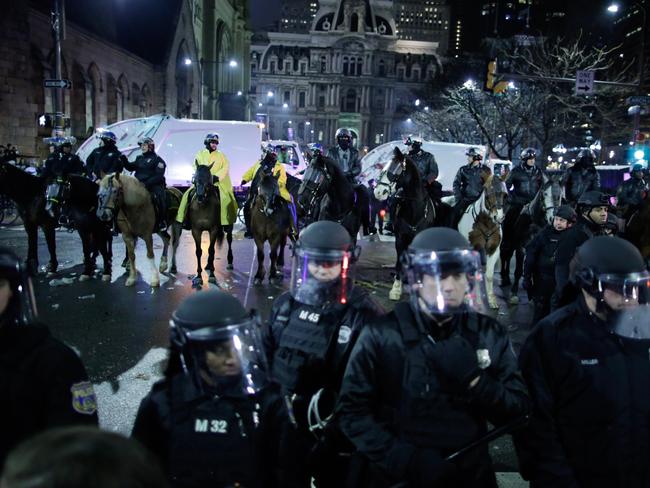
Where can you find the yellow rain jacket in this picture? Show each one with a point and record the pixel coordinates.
(221, 170)
(277, 169)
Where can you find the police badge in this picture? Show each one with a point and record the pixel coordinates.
(84, 400)
(483, 358)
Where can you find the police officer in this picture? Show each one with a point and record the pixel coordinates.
(423, 382)
(214, 420)
(346, 156)
(427, 166)
(62, 162)
(308, 339)
(43, 381)
(581, 177)
(524, 181)
(632, 192)
(106, 158)
(539, 264)
(587, 369)
(468, 184)
(149, 169)
(593, 207)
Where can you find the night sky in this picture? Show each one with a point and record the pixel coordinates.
(263, 12)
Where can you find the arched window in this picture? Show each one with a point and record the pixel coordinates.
(382, 68)
(346, 66)
(359, 66)
(350, 103)
(354, 23)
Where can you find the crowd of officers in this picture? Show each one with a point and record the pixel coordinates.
(332, 391)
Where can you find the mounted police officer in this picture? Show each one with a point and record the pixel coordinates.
(309, 337)
(468, 183)
(587, 369)
(347, 157)
(593, 207)
(581, 177)
(525, 180)
(43, 381)
(106, 158)
(215, 419)
(149, 169)
(539, 265)
(427, 166)
(423, 381)
(632, 192)
(62, 162)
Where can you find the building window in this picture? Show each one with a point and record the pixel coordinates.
(350, 102)
(359, 66)
(323, 64)
(382, 68)
(303, 67)
(272, 67)
(400, 73)
(286, 97)
(301, 99)
(346, 66)
(287, 66)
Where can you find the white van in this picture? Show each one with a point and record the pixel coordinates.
(178, 140)
(449, 156)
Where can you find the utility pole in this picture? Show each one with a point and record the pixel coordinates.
(58, 31)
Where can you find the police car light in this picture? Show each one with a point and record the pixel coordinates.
(639, 154)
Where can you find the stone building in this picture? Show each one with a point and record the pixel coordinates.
(111, 82)
(349, 71)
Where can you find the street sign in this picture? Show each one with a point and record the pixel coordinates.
(584, 82)
(639, 100)
(57, 84)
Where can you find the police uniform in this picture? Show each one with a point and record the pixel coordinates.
(105, 159)
(59, 163)
(44, 384)
(580, 179)
(150, 169)
(630, 195)
(468, 187)
(428, 168)
(204, 440)
(348, 160)
(525, 181)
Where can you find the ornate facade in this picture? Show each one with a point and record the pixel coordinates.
(349, 71)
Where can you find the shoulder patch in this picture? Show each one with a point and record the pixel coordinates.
(161, 165)
(84, 400)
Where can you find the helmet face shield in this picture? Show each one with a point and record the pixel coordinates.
(628, 290)
(227, 360)
(322, 277)
(446, 282)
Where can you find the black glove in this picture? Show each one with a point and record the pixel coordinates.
(427, 468)
(215, 179)
(456, 360)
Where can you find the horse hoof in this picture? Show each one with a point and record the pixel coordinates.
(395, 292)
(492, 302)
(514, 300)
(173, 270)
(129, 282)
(155, 284)
(212, 279)
(257, 281)
(106, 278)
(50, 274)
(230, 267)
(85, 277)
(125, 262)
(163, 266)
(197, 282)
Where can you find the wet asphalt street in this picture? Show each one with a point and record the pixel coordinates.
(121, 332)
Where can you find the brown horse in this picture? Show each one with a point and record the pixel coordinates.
(28, 193)
(270, 221)
(125, 197)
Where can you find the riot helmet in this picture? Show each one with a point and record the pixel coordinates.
(586, 157)
(210, 138)
(106, 137)
(20, 307)
(567, 213)
(526, 154)
(414, 142)
(316, 149)
(637, 170)
(591, 200)
(444, 273)
(56, 142)
(343, 138)
(219, 344)
(149, 142)
(474, 153)
(323, 265)
(611, 270)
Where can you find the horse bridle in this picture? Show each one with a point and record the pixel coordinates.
(115, 207)
(314, 192)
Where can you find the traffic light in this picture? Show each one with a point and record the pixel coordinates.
(492, 82)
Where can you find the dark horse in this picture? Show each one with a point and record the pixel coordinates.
(28, 192)
(413, 209)
(637, 230)
(518, 230)
(205, 215)
(270, 221)
(326, 194)
(79, 195)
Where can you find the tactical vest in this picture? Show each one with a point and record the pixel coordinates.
(212, 443)
(314, 346)
(428, 416)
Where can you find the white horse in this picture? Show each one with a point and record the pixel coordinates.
(481, 225)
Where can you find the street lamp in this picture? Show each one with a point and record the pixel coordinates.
(417, 102)
(232, 63)
(613, 8)
(269, 94)
(187, 62)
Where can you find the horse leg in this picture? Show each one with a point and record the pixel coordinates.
(129, 242)
(506, 256)
(519, 271)
(259, 276)
(210, 264)
(489, 279)
(89, 268)
(176, 236)
(229, 239)
(198, 279)
(163, 259)
(155, 279)
(273, 257)
(283, 243)
(50, 240)
(104, 243)
(32, 248)
(396, 291)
